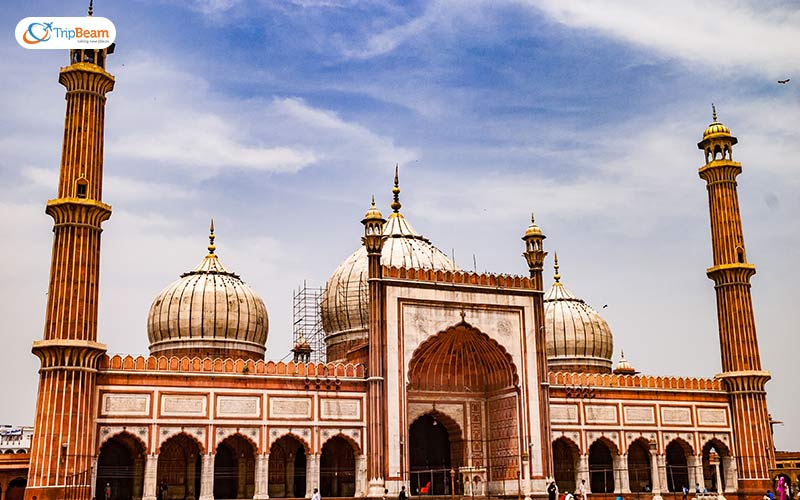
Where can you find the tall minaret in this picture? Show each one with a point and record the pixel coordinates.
(741, 366)
(63, 439)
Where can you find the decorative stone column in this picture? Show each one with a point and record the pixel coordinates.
(655, 470)
(361, 476)
(207, 478)
(150, 477)
(526, 476)
(729, 466)
(621, 479)
(696, 476)
(262, 477)
(312, 474)
(583, 474)
(93, 485)
(662, 472)
(713, 459)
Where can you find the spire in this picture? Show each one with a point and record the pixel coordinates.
(211, 246)
(396, 191)
(556, 276)
(91, 10)
(714, 111)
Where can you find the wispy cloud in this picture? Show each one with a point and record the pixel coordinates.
(744, 36)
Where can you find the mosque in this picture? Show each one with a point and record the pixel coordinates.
(442, 381)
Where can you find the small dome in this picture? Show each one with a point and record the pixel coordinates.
(345, 300)
(578, 338)
(716, 129)
(623, 366)
(208, 311)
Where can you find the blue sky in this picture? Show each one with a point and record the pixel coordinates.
(281, 119)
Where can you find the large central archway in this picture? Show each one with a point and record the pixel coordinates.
(337, 469)
(473, 372)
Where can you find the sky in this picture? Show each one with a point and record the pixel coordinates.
(280, 119)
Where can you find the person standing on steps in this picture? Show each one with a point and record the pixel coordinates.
(402, 495)
(316, 495)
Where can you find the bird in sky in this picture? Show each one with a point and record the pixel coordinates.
(784, 82)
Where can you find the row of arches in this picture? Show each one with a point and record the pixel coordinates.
(120, 468)
(606, 468)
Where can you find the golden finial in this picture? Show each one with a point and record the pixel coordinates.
(556, 276)
(90, 8)
(211, 237)
(714, 111)
(396, 191)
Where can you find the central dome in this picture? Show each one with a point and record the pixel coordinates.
(345, 300)
(208, 312)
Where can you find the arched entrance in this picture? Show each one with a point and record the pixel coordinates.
(565, 458)
(639, 472)
(16, 489)
(709, 473)
(234, 468)
(337, 469)
(121, 466)
(179, 467)
(429, 451)
(287, 468)
(677, 465)
(601, 468)
(467, 364)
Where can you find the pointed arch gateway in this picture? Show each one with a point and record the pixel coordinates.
(121, 466)
(179, 466)
(235, 468)
(287, 468)
(473, 380)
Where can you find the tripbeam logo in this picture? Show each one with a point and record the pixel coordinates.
(65, 33)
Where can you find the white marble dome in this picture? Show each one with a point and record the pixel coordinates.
(208, 311)
(578, 338)
(345, 299)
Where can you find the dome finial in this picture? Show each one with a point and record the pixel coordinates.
(211, 246)
(714, 111)
(91, 10)
(556, 276)
(533, 219)
(396, 191)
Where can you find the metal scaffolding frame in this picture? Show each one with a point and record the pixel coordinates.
(307, 320)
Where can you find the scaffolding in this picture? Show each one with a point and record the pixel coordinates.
(307, 325)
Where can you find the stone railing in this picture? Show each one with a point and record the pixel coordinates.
(458, 277)
(634, 381)
(226, 365)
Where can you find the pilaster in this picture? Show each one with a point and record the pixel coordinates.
(150, 477)
(312, 473)
(262, 477)
(207, 478)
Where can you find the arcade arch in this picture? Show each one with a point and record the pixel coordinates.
(235, 468)
(337, 474)
(677, 454)
(287, 468)
(639, 472)
(709, 473)
(179, 466)
(601, 466)
(566, 457)
(121, 466)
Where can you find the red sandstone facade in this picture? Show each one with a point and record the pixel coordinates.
(448, 393)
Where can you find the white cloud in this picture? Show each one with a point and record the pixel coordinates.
(742, 36)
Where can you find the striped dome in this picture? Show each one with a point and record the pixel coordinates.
(208, 311)
(578, 338)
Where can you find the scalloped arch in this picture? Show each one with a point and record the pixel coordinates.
(461, 358)
(136, 439)
(303, 442)
(248, 439)
(352, 442)
(167, 437)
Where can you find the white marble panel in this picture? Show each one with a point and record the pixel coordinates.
(340, 409)
(676, 415)
(640, 414)
(289, 408)
(239, 406)
(129, 405)
(184, 405)
(564, 413)
(712, 416)
(601, 414)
